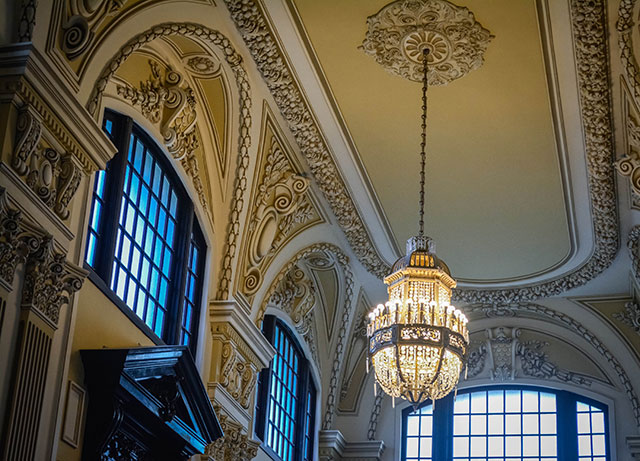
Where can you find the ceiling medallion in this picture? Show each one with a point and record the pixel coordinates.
(418, 342)
(399, 32)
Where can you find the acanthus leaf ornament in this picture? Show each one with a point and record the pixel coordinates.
(399, 32)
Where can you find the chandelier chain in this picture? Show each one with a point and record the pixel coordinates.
(423, 143)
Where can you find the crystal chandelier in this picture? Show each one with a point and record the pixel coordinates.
(418, 341)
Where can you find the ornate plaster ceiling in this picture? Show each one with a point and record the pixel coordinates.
(496, 196)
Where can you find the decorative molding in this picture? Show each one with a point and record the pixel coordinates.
(630, 316)
(296, 294)
(280, 208)
(589, 25)
(73, 414)
(49, 281)
(333, 446)
(629, 164)
(354, 374)
(633, 247)
(202, 66)
(84, 18)
(240, 351)
(168, 101)
(53, 177)
(375, 414)
(239, 376)
(235, 445)
(506, 357)
(27, 20)
(331, 253)
(633, 442)
(260, 39)
(234, 60)
(16, 242)
(398, 33)
(589, 30)
(624, 25)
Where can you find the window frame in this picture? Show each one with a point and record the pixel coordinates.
(566, 423)
(306, 386)
(187, 228)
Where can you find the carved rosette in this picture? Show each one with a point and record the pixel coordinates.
(53, 177)
(399, 32)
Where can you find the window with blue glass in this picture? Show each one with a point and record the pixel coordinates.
(507, 424)
(143, 242)
(286, 398)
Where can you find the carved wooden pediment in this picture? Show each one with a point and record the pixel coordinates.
(146, 403)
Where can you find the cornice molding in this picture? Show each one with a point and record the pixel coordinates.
(27, 80)
(589, 31)
(277, 74)
(230, 313)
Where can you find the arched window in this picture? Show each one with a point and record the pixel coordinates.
(507, 424)
(286, 398)
(144, 246)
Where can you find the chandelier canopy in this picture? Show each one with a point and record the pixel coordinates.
(418, 341)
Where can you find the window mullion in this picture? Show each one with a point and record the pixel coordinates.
(113, 199)
(443, 429)
(567, 428)
(179, 271)
(301, 409)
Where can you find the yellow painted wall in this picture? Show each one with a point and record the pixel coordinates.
(99, 324)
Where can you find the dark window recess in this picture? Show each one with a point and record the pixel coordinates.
(507, 423)
(286, 398)
(144, 244)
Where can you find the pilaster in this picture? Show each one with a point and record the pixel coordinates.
(239, 351)
(333, 447)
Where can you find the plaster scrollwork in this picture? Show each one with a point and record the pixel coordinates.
(506, 356)
(235, 445)
(281, 208)
(630, 316)
(238, 375)
(588, 21)
(49, 281)
(167, 100)
(53, 177)
(215, 38)
(629, 164)
(84, 17)
(399, 32)
(264, 48)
